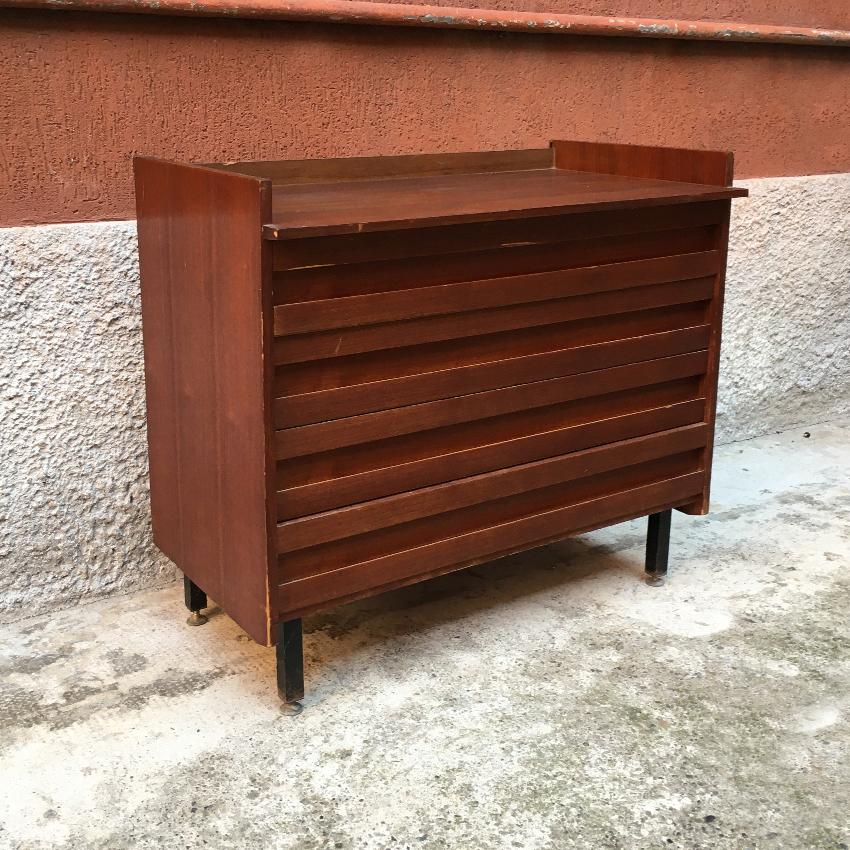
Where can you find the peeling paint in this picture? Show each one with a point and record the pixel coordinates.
(446, 20)
(364, 12)
(658, 29)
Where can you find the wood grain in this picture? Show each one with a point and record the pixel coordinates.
(338, 433)
(712, 373)
(402, 537)
(407, 472)
(333, 281)
(201, 264)
(363, 373)
(484, 544)
(486, 431)
(323, 405)
(711, 168)
(420, 358)
(488, 235)
(331, 313)
(370, 516)
(343, 342)
(343, 169)
(356, 206)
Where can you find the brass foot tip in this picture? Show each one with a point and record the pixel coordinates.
(291, 709)
(196, 618)
(656, 579)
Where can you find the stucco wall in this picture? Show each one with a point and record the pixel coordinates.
(786, 348)
(74, 508)
(73, 494)
(83, 92)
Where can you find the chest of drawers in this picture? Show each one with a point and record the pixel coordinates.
(362, 373)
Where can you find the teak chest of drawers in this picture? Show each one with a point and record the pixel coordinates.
(362, 373)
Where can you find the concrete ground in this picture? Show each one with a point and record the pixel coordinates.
(549, 700)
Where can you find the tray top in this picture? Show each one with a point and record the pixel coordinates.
(353, 206)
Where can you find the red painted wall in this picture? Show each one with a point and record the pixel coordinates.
(83, 92)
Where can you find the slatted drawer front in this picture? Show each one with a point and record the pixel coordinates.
(451, 395)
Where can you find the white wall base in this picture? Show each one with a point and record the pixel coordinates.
(74, 510)
(785, 358)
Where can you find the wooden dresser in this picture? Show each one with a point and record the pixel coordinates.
(362, 373)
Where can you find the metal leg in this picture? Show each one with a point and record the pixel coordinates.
(657, 547)
(196, 601)
(290, 665)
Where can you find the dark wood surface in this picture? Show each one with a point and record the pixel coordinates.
(321, 281)
(396, 203)
(316, 494)
(322, 405)
(712, 373)
(364, 517)
(484, 544)
(394, 539)
(607, 225)
(343, 341)
(338, 433)
(343, 169)
(403, 366)
(712, 168)
(470, 299)
(201, 261)
(584, 519)
(416, 365)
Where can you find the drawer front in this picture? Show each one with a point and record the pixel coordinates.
(440, 408)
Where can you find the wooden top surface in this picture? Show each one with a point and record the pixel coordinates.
(322, 209)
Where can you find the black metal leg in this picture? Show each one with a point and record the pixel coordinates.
(290, 665)
(196, 601)
(657, 547)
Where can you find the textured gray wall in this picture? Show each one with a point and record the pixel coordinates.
(786, 345)
(74, 510)
(74, 513)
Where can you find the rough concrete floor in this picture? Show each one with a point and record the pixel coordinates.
(550, 700)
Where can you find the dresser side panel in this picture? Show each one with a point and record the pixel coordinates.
(201, 261)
